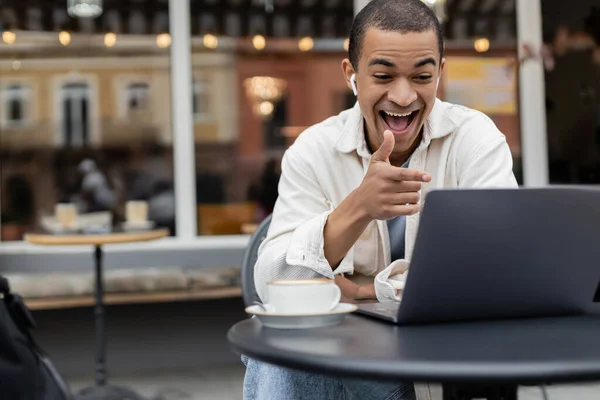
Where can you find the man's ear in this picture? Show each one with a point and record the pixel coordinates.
(442, 65)
(348, 72)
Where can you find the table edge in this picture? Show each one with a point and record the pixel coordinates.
(44, 239)
(514, 373)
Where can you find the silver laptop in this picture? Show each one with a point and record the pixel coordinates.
(498, 254)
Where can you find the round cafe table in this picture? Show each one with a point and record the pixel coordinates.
(97, 241)
(484, 359)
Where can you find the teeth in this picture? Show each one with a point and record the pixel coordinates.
(397, 115)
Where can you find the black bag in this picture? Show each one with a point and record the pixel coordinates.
(25, 371)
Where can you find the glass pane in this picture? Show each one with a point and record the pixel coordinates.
(571, 60)
(15, 98)
(15, 110)
(481, 65)
(92, 97)
(269, 75)
(260, 78)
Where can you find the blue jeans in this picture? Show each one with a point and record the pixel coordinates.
(269, 382)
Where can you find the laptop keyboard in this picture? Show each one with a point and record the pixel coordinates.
(388, 309)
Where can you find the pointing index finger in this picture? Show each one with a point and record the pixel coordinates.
(412, 175)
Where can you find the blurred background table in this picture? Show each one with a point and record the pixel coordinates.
(97, 241)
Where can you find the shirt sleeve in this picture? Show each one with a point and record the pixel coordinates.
(390, 281)
(294, 246)
(488, 166)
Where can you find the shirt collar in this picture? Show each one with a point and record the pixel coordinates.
(352, 137)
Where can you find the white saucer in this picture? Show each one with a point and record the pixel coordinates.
(301, 321)
(137, 226)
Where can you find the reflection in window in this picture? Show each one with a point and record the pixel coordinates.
(60, 105)
(572, 87)
(138, 96)
(273, 125)
(75, 114)
(15, 110)
(200, 99)
(14, 103)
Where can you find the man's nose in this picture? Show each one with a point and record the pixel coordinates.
(402, 93)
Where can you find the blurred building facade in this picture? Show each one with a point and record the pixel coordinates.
(74, 88)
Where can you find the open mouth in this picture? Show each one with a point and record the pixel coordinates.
(398, 122)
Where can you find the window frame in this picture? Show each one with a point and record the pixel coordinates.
(56, 88)
(531, 88)
(24, 95)
(139, 90)
(121, 84)
(201, 87)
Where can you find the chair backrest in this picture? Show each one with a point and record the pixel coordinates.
(250, 256)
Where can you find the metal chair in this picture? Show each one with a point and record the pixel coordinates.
(250, 256)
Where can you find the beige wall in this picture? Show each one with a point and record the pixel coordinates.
(221, 123)
(38, 109)
(107, 80)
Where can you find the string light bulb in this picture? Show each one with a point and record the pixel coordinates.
(9, 37)
(163, 40)
(259, 42)
(210, 41)
(306, 43)
(265, 108)
(64, 38)
(481, 45)
(110, 39)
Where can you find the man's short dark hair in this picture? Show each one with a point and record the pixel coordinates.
(402, 16)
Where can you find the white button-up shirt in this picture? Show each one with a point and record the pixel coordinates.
(460, 148)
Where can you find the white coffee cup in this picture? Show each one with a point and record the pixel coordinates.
(66, 215)
(303, 296)
(136, 212)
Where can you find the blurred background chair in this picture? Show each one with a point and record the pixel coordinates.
(250, 256)
(225, 219)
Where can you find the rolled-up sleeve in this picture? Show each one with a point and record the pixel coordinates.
(294, 246)
(389, 283)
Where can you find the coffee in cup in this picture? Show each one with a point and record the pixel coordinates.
(303, 296)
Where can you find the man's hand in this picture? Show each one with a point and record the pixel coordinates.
(351, 291)
(387, 191)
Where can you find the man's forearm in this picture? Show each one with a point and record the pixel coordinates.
(344, 226)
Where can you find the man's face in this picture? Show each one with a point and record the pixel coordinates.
(397, 84)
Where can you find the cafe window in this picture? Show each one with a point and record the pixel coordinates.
(201, 99)
(571, 60)
(79, 95)
(75, 114)
(138, 96)
(15, 99)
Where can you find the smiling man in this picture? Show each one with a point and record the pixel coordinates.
(352, 186)
(399, 75)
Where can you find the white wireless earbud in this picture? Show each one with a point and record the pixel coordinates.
(437, 84)
(353, 84)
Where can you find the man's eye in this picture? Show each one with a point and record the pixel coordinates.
(423, 78)
(382, 76)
